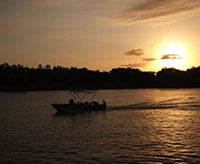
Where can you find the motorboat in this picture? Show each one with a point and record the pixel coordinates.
(78, 106)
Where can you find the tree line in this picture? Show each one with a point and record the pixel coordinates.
(21, 78)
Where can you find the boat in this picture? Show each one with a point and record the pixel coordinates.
(79, 106)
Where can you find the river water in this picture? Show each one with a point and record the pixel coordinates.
(140, 126)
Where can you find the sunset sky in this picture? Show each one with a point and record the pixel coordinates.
(101, 34)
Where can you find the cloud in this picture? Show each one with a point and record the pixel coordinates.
(149, 59)
(170, 56)
(135, 65)
(157, 8)
(135, 52)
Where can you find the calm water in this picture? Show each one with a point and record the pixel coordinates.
(141, 126)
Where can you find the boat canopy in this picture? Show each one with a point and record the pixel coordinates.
(80, 95)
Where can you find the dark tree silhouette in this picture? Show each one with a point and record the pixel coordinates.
(20, 78)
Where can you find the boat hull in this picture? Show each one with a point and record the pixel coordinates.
(70, 108)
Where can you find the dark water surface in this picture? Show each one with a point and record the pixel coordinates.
(141, 126)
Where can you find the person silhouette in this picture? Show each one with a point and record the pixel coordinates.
(104, 102)
(71, 101)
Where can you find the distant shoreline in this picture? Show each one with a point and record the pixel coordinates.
(17, 78)
(37, 90)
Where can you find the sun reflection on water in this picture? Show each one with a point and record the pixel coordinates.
(172, 133)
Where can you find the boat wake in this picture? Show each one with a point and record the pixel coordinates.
(186, 104)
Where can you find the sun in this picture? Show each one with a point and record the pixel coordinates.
(173, 55)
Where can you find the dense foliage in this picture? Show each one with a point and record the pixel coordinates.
(20, 78)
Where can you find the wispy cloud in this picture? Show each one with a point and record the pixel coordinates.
(135, 52)
(135, 65)
(157, 8)
(149, 59)
(170, 56)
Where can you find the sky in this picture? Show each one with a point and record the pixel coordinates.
(101, 34)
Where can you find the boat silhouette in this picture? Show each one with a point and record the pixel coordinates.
(78, 105)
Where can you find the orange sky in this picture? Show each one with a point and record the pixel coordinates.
(148, 34)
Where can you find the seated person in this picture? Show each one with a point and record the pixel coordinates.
(71, 101)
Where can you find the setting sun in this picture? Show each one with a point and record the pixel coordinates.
(173, 55)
